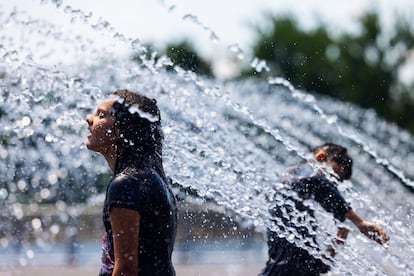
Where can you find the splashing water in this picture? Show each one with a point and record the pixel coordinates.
(229, 141)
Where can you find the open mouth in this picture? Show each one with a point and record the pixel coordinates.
(90, 132)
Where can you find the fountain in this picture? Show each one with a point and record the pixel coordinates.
(226, 140)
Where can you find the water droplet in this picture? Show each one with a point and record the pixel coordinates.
(36, 223)
(259, 65)
(30, 254)
(135, 109)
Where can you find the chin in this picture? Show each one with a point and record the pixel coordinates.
(89, 146)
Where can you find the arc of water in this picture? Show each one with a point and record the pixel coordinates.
(239, 108)
(260, 65)
(332, 121)
(134, 44)
(236, 107)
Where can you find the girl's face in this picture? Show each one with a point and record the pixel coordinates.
(102, 127)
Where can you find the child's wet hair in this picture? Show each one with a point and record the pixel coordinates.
(339, 155)
(138, 122)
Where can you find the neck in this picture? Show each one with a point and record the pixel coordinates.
(111, 160)
(110, 157)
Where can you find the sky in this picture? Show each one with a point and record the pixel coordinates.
(154, 20)
(215, 26)
(159, 21)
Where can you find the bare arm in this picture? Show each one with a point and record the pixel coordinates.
(125, 227)
(341, 236)
(369, 229)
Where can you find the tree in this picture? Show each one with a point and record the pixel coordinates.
(357, 67)
(184, 55)
(181, 54)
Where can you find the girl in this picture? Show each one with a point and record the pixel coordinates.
(140, 214)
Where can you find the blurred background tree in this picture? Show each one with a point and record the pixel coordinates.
(363, 67)
(186, 56)
(182, 54)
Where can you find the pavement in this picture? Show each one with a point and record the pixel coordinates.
(185, 270)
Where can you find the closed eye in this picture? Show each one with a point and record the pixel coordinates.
(100, 113)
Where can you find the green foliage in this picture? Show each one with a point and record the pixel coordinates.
(361, 67)
(184, 55)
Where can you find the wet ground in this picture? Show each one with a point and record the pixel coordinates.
(187, 270)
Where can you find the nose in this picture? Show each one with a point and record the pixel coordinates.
(89, 120)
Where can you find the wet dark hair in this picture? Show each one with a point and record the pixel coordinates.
(138, 122)
(339, 155)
